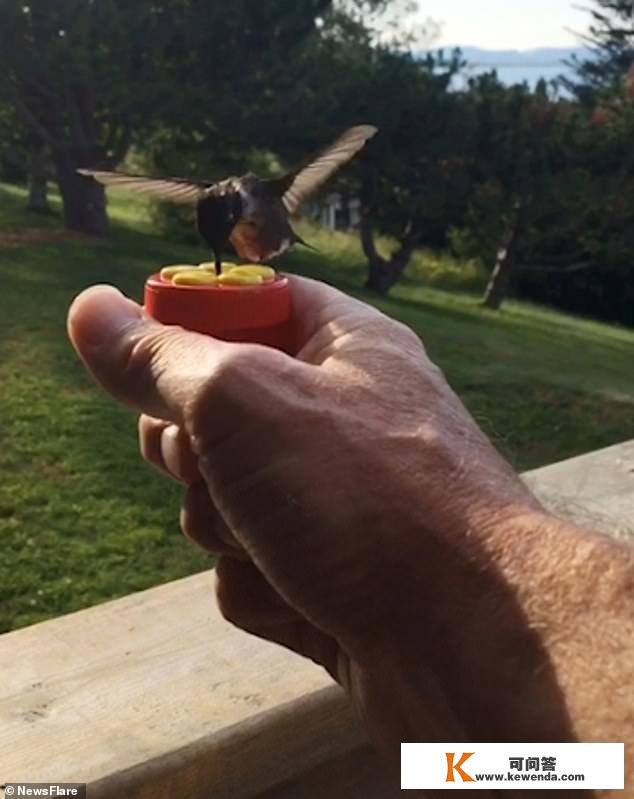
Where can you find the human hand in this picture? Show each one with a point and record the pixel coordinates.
(357, 510)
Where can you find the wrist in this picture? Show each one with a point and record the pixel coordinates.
(472, 613)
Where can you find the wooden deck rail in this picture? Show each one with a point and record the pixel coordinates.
(154, 695)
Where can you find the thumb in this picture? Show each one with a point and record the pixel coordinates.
(142, 363)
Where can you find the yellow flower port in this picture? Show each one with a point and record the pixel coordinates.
(204, 274)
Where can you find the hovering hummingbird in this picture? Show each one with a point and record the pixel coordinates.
(249, 212)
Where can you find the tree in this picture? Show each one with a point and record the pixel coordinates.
(592, 239)
(410, 178)
(611, 37)
(81, 76)
(551, 207)
(38, 167)
(523, 155)
(24, 156)
(12, 163)
(89, 78)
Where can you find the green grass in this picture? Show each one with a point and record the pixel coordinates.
(82, 519)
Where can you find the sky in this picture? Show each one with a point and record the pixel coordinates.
(506, 24)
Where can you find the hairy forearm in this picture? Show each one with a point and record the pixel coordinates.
(524, 638)
(580, 601)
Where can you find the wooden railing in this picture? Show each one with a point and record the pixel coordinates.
(155, 695)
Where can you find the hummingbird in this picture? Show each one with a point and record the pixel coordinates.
(250, 212)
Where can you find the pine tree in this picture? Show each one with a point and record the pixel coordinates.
(611, 36)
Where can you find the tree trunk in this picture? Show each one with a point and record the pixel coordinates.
(38, 195)
(38, 182)
(498, 287)
(84, 200)
(383, 273)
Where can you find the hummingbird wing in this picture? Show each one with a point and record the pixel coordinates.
(299, 185)
(175, 190)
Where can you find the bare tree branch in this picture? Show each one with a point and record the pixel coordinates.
(30, 120)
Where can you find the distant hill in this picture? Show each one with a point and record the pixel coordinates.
(518, 66)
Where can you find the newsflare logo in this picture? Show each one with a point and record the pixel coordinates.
(528, 766)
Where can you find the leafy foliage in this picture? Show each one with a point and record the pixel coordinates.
(550, 205)
(89, 78)
(611, 37)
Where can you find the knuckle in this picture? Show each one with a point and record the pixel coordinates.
(227, 391)
(234, 365)
(142, 351)
(140, 362)
(406, 338)
(377, 326)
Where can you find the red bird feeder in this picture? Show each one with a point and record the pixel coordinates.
(257, 314)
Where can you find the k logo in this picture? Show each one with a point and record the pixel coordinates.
(451, 768)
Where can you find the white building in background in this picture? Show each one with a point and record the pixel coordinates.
(337, 211)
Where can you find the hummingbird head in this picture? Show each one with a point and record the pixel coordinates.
(217, 216)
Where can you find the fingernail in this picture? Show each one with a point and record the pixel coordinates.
(98, 315)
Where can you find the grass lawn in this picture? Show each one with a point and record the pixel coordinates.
(83, 520)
